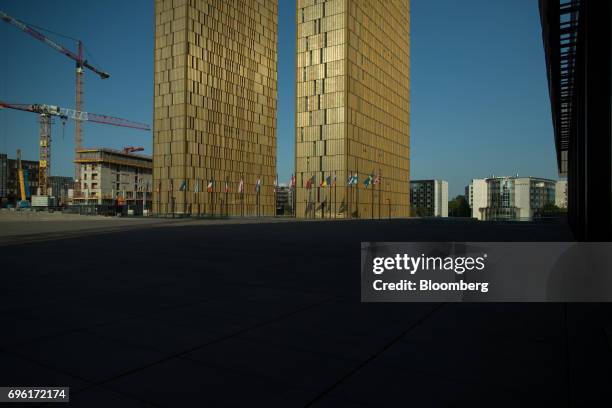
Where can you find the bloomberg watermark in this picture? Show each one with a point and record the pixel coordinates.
(486, 272)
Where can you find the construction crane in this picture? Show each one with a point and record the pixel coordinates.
(81, 63)
(24, 187)
(132, 149)
(46, 114)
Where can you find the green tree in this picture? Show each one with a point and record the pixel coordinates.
(459, 207)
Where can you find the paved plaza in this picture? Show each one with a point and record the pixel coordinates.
(179, 313)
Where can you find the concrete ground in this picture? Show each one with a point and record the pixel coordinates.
(268, 314)
(18, 227)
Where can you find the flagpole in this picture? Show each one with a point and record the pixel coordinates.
(308, 187)
(292, 189)
(372, 201)
(357, 189)
(335, 196)
(257, 198)
(379, 190)
(321, 191)
(275, 193)
(196, 201)
(348, 195)
(331, 198)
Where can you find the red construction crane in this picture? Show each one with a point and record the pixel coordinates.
(132, 149)
(81, 63)
(46, 114)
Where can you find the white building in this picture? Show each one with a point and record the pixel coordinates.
(561, 194)
(510, 198)
(429, 198)
(111, 177)
(477, 196)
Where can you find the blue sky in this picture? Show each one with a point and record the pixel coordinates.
(479, 99)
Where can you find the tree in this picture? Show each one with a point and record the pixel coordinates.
(418, 211)
(549, 210)
(459, 207)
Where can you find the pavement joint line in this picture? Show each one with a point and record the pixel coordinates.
(375, 355)
(184, 352)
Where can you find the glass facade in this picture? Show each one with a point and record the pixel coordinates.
(215, 106)
(352, 107)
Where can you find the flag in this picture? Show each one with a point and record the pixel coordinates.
(292, 183)
(276, 183)
(183, 186)
(196, 189)
(355, 179)
(323, 182)
(349, 182)
(310, 182)
(159, 187)
(241, 186)
(258, 186)
(226, 187)
(368, 181)
(209, 188)
(377, 179)
(328, 181)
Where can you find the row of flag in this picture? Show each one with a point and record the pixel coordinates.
(328, 181)
(325, 182)
(210, 187)
(371, 179)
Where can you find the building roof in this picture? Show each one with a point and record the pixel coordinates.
(112, 156)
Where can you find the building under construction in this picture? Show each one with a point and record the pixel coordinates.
(113, 177)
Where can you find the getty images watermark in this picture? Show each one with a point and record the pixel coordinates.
(486, 272)
(414, 264)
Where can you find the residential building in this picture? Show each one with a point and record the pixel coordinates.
(561, 194)
(476, 194)
(59, 187)
(577, 45)
(353, 106)
(109, 177)
(215, 93)
(429, 198)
